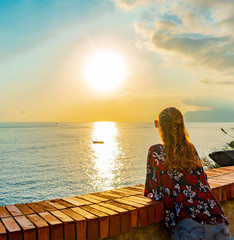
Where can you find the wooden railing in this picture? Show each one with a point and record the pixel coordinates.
(96, 215)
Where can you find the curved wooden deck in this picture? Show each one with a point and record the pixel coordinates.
(96, 215)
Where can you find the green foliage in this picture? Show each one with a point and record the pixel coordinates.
(231, 144)
(223, 131)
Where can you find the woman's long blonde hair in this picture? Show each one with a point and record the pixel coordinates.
(180, 153)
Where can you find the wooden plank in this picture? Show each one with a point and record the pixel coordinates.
(155, 212)
(24, 208)
(55, 204)
(43, 231)
(139, 196)
(13, 229)
(213, 185)
(129, 202)
(4, 212)
(139, 190)
(221, 171)
(81, 224)
(13, 210)
(92, 223)
(215, 193)
(128, 191)
(211, 175)
(46, 206)
(83, 201)
(141, 209)
(113, 207)
(102, 196)
(69, 225)
(141, 200)
(133, 211)
(230, 168)
(228, 177)
(137, 200)
(36, 208)
(218, 193)
(100, 199)
(224, 193)
(229, 191)
(221, 181)
(125, 216)
(76, 201)
(29, 230)
(107, 195)
(64, 203)
(143, 219)
(151, 213)
(232, 190)
(103, 220)
(159, 208)
(89, 198)
(56, 226)
(113, 193)
(119, 193)
(141, 186)
(114, 219)
(84, 213)
(3, 234)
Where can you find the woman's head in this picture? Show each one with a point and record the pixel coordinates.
(179, 151)
(171, 126)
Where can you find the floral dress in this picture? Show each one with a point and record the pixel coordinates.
(185, 194)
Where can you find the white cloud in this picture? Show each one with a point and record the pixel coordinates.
(209, 102)
(194, 34)
(189, 33)
(217, 82)
(141, 28)
(131, 4)
(207, 51)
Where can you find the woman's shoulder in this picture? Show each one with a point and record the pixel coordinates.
(157, 148)
(156, 154)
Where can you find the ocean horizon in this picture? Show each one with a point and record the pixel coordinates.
(46, 160)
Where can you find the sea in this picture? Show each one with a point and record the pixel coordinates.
(40, 161)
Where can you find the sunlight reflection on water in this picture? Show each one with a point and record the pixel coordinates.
(105, 156)
(46, 160)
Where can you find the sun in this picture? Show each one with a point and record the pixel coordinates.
(105, 70)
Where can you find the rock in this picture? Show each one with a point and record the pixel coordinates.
(223, 158)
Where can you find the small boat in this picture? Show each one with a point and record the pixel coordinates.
(98, 142)
(223, 158)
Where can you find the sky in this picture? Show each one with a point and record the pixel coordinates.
(176, 53)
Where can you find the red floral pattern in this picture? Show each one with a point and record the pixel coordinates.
(181, 198)
(167, 181)
(192, 180)
(185, 194)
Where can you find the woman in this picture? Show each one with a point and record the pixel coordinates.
(176, 177)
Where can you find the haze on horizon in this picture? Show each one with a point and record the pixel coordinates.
(176, 53)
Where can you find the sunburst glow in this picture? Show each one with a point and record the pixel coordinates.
(105, 70)
(105, 156)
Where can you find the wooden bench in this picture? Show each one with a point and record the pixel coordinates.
(96, 215)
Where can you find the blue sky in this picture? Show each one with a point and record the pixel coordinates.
(27, 23)
(178, 53)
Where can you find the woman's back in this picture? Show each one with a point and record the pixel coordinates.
(175, 176)
(186, 194)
